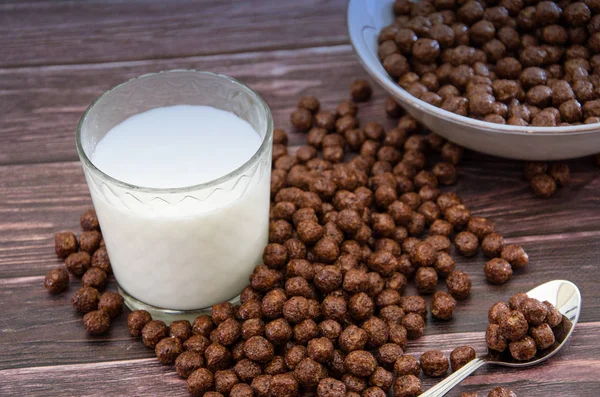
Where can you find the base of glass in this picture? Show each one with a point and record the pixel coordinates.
(167, 315)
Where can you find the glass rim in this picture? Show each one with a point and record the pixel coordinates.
(183, 189)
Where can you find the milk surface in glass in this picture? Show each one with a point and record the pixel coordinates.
(196, 253)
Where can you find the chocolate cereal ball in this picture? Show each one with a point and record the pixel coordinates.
(89, 220)
(407, 386)
(360, 90)
(284, 385)
(187, 362)
(294, 355)
(377, 331)
(295, 309)
(78, 263)
(225, 380)
(459, 285)
(407, 365)
(443, 305)
(261, 385)
(382, 379)
(96, 322)
(251, 327)
(466, 243)
(136, 320)
(111, 303)
(246, 370)
(203, 325)
(101, 260)
(414, 304)
(56, 280)
(498, 271)
(89, 241)
(217, 357)
(414, 324)
(228, 332)
(95, 278)
(85, 299)
(330, 387)
(301, 119)
(330, 329)
(168, 349)
(444, 264)
(309, 373)
(494, 339)
(373, 391)
(320, 349)
(501, 392)
(353, 338)
(434, 363)
(423, 254)
(336, 364)
(461, 356)
(387, 355)
(259, 349)
(426, 279)
(199, 382)
(517, 300)
(65, 244)
(523, 349)
(334, 307)
(534, 311)
(278, 331)
(543, 185)
(360, 363)
(514, 326)
(554, 317)
(515, 255)
(153, 332)
(492, 245)
(310, 103)
(497, 312)
(542, 335)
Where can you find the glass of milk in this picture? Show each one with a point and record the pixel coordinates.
(178, 165)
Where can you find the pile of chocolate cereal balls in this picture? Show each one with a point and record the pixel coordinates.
(517, 62)
(325, 312)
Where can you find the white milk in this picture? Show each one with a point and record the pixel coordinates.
(194, 253)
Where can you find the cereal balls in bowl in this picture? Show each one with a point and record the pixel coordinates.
(516, 79)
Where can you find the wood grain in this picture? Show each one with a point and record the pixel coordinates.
(573, 372)
(60, 32)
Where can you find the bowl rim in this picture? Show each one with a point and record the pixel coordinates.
(383, 78)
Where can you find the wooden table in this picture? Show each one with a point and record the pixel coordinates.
(56, 57)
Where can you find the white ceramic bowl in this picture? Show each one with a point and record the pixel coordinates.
(366, 18)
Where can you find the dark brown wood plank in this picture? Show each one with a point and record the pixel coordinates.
(573, 372)
(53, 32)
(39, 329)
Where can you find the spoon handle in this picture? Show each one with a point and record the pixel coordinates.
(448, 384)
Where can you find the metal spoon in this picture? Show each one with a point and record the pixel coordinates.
(565, 296)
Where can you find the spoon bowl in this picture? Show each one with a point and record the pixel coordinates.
(565, 296)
